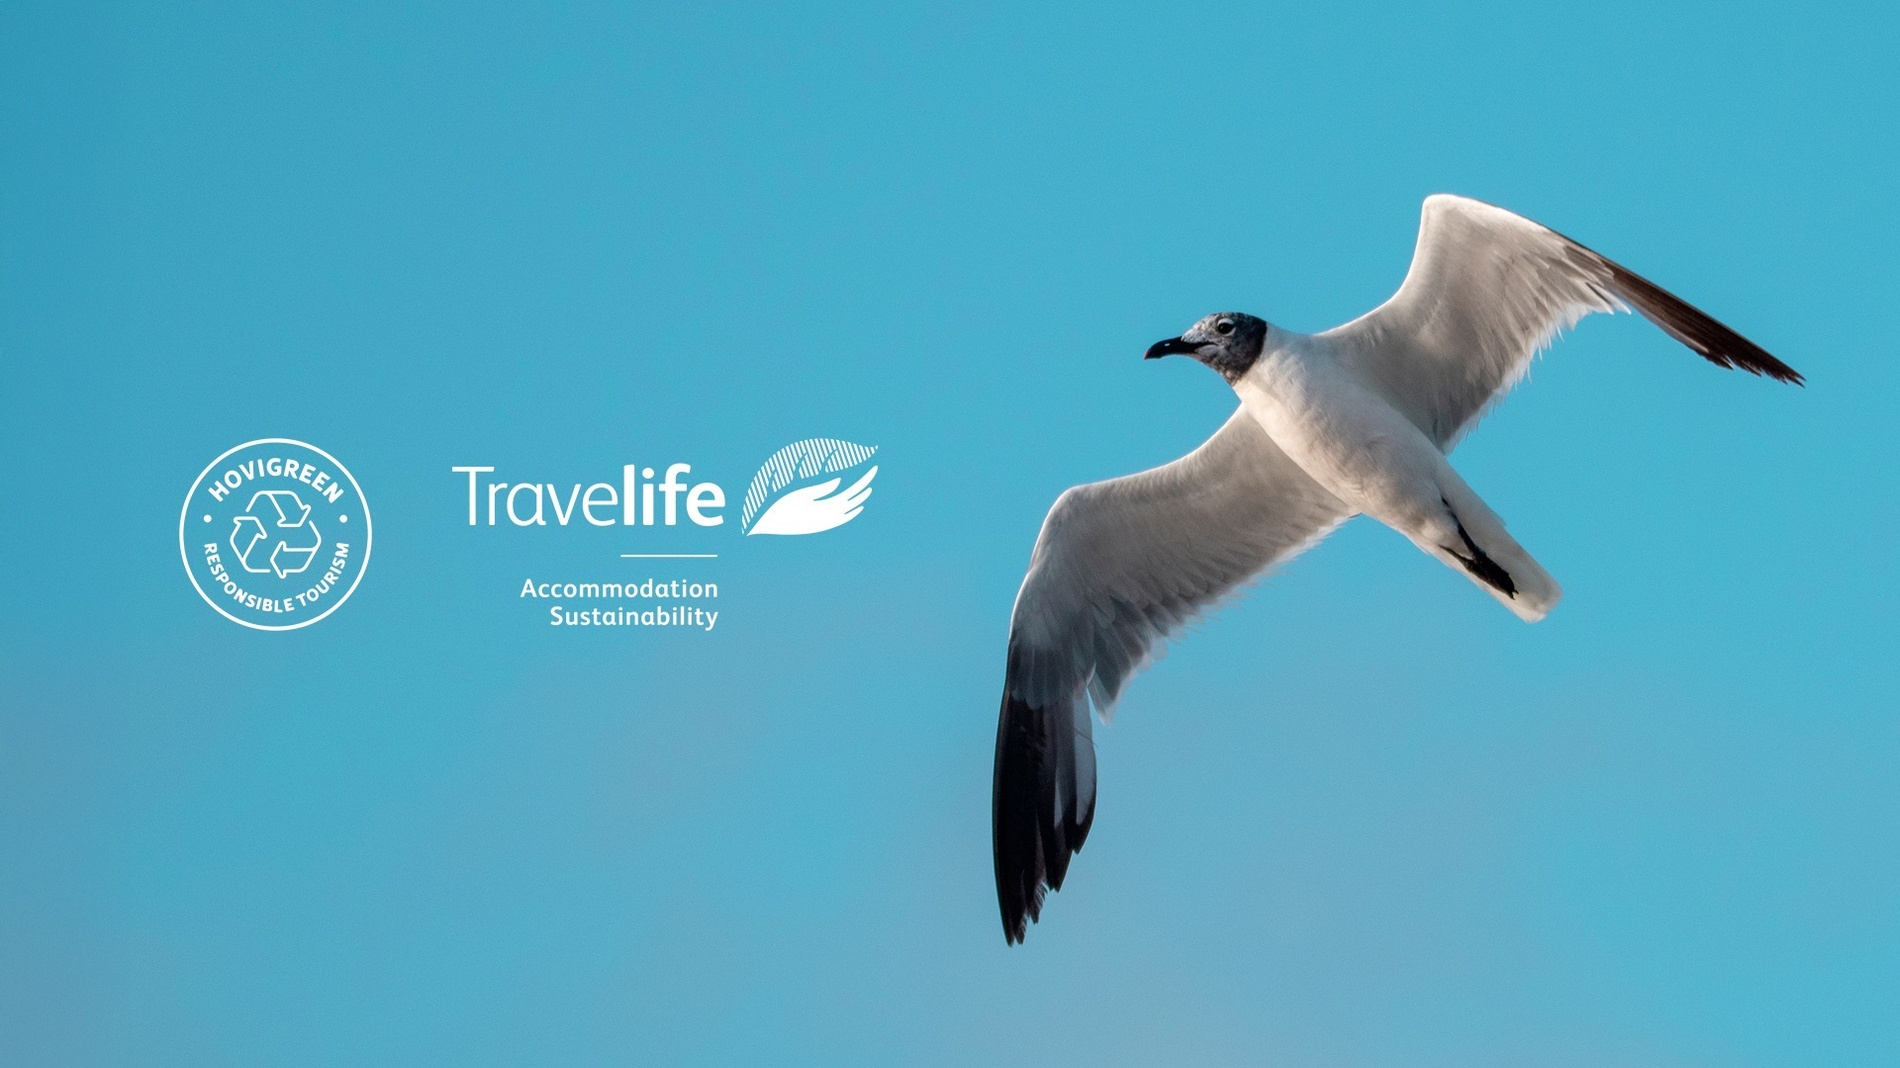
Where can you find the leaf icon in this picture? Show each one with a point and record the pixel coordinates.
(810, 508)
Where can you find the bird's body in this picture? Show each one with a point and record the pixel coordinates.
(1357, 419)
(1307, 394)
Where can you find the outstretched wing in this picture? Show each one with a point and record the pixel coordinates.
(1119, 566)
(1487, 290)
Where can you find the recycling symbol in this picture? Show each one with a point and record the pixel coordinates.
(279, 515)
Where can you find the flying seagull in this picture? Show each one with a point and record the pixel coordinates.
(1357, 419)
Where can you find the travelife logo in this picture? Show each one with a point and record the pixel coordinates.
(816, 505)
(275, 534)
(807, 487)
(796, 491)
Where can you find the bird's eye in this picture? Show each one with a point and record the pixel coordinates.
(1225, 326)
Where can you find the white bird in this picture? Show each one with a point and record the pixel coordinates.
(1357, 419)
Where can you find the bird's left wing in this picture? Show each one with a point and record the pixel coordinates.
(1486, 291)
(1118, 567)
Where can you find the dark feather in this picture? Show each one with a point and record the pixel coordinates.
(1037, 820)
(1690, 325)
(1480, 563)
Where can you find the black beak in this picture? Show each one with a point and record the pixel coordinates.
(1171, 347)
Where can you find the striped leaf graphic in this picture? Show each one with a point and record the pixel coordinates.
(773, 508)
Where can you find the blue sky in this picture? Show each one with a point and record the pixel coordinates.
(1362, 817)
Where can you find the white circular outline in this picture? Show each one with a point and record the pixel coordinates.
(369, 531)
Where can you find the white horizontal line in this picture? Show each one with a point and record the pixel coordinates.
(669, 556)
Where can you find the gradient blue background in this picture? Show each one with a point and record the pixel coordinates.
(1364, 817)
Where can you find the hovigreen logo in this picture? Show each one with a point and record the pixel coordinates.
(275, 534)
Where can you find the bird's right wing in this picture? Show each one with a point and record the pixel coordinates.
(1487, 290)
(1118, 567)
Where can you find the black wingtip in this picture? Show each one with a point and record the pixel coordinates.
(1015, 838)
(1479, 563)
(1690, 325)
(1036, 826)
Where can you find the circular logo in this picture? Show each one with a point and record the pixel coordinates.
(275, 534)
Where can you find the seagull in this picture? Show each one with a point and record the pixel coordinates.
(1355, 420)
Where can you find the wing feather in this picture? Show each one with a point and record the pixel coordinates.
(1119, 566)
(1487, 291)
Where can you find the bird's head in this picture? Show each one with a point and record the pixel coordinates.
(1229, 342)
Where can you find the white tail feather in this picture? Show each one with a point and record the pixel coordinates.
(1534, 592)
